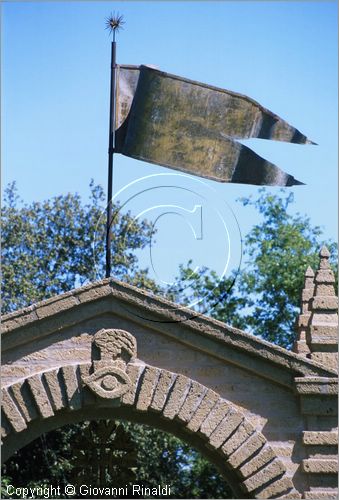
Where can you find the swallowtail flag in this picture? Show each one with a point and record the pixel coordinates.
(195, 128)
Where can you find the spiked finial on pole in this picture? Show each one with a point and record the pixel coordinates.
(113, 23)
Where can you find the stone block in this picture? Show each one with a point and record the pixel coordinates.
(206, 405)
(318, 494)
(247, 449)
(19, 319)
(71, 384)
(272, 470)
(214, 418)
(177, 397)
(162, 389)
(193, 399)
(265, 455)
(275, 489)
(324, 276)
(316, 386)
(228, 425)
(320, 437)
(330, 331)
(323, 344)
(134, 372)
(23, 398)
(325, 291)
(40, 396)
(12, 412)
(56, 306)
(325, 303)
(320, 466)
(148, 383)
(324, 318)
(94, 293)
(242, 433)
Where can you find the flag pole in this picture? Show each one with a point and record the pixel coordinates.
(110, 162)
(113, 23)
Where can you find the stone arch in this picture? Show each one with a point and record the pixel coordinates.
(118, 385)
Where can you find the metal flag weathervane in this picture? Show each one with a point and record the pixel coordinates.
(189, 126)
(194, 127)
(113, 24)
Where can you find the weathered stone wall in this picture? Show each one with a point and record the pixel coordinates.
(268, 405)
(317, 325)
(254, 409)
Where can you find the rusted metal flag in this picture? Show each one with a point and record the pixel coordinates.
(193, 127)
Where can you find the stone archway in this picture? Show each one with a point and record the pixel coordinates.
(118, 385)
(72, 357)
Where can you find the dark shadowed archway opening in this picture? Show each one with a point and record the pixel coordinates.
(113, 459)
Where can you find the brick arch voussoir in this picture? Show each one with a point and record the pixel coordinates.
(175, 399)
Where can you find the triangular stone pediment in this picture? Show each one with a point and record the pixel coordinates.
(113, 303)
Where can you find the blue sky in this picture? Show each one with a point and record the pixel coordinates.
(55, 93)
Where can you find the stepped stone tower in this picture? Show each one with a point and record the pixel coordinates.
(317, 324)
(303, 321)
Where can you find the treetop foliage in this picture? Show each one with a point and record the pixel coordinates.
(56, 245)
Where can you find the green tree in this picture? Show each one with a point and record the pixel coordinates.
(53, 246)
(277, 253)
(264, 297)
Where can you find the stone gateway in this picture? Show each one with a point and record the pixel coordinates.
(265, 416)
